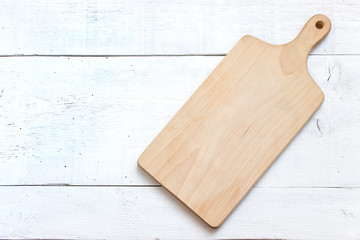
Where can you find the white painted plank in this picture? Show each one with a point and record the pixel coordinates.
(85, 121)
(150, 213)
(134, 27)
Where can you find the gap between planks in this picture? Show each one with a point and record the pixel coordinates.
(158, 55)
(156, 186)
(154, 239)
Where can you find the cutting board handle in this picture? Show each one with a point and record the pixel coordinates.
(296, 52)
(313, 32)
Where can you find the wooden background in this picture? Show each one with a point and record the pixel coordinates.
(86, 85)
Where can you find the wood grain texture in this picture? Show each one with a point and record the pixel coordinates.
(153, 213)
(236, 123)
(48, 117)
(138, 27)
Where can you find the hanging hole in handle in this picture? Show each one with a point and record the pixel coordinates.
(319, 24)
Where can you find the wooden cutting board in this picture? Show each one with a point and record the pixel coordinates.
(237, 123)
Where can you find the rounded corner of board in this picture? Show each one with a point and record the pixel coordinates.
(139, 162)
(251, 39)
(322, 96)
(321, 93)
(248, 37)
(213, 224)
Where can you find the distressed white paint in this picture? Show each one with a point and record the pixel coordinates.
(152, 212)
(86, 120)
(167, 27)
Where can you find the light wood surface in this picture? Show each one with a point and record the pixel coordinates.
(84, 102)
(236, 124)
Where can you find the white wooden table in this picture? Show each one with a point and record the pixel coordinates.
(86, 85)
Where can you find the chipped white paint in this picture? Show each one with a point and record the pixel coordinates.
(137, 27)
(85, 120)
(152, 212)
